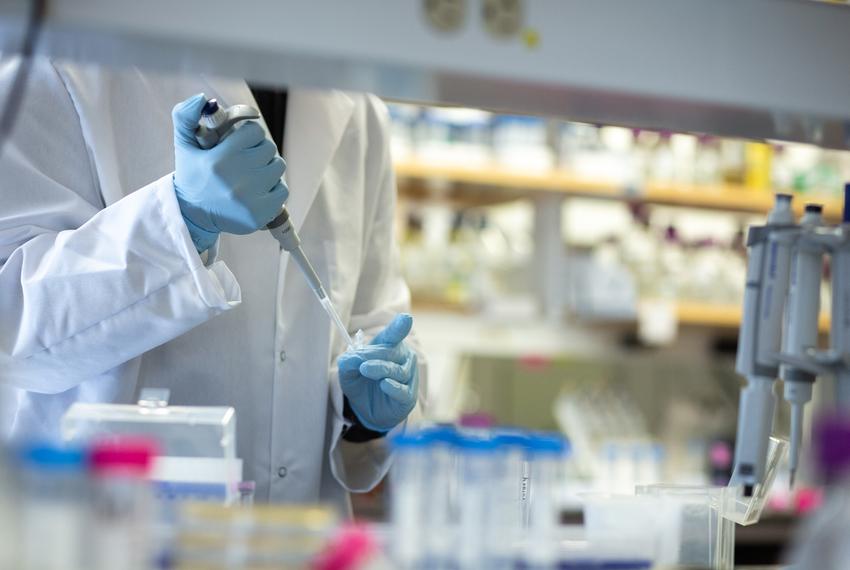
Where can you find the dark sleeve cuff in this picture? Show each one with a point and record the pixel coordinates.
(356, 432)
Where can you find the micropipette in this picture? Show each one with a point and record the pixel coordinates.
(801, 324)
(215, 124)
(760, 341)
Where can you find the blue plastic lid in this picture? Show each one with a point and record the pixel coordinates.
(210, 107)
(511, 438)
(409, 440)
(53, 457)
(469, 443)
(548, 443)
(440, 434)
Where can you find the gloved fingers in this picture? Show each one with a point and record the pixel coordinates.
(279, 193)
(396, 331)
(247, 135)
(396, 391)
(260, 155)
(349, 364)
(185, 116)
(271, 174)
(380, 369)
(269, 204)
(398, 353)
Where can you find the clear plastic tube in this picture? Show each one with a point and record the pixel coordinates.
(409, 480)
(335, 318)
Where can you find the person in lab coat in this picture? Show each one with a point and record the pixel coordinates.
(103, 293)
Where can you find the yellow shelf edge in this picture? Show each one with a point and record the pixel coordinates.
(724, 197)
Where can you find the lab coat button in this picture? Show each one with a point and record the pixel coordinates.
(281, 472)
(283, 356)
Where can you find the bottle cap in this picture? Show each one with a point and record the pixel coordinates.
(125, 456)
(52, 457)
(814, 208)
(352, 548)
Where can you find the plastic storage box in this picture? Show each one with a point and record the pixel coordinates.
(197, 445)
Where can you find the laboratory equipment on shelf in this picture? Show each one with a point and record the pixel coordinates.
(215, 124)
(782, 252)
(196, 445)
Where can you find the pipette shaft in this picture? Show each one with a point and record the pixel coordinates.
(316, 285)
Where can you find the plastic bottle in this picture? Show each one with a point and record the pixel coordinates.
(408, 479)
(512, 497)
(663, 165)
(758, 171)
(707, 169)
(546, 457)
(478, 472)
(123, 517)
(54, 514)
(441, 506)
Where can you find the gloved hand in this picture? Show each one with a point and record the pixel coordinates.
(234, 187)
(381, 380)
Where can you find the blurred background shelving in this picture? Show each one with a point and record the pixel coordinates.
(484, 185)
(560, 270)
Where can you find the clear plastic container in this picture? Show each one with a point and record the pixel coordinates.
(705, 538)
(631, 527)
(197, 445)
(747, 510)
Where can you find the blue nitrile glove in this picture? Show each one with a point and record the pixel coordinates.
(234, 187)
(381, 380)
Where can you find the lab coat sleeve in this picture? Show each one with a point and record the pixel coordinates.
(381, 294)
(83, 287)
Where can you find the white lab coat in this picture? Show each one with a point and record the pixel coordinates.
(102, 292)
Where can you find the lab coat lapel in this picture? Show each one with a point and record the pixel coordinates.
(315, 123)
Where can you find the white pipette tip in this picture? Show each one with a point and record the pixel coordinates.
(796, 438)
